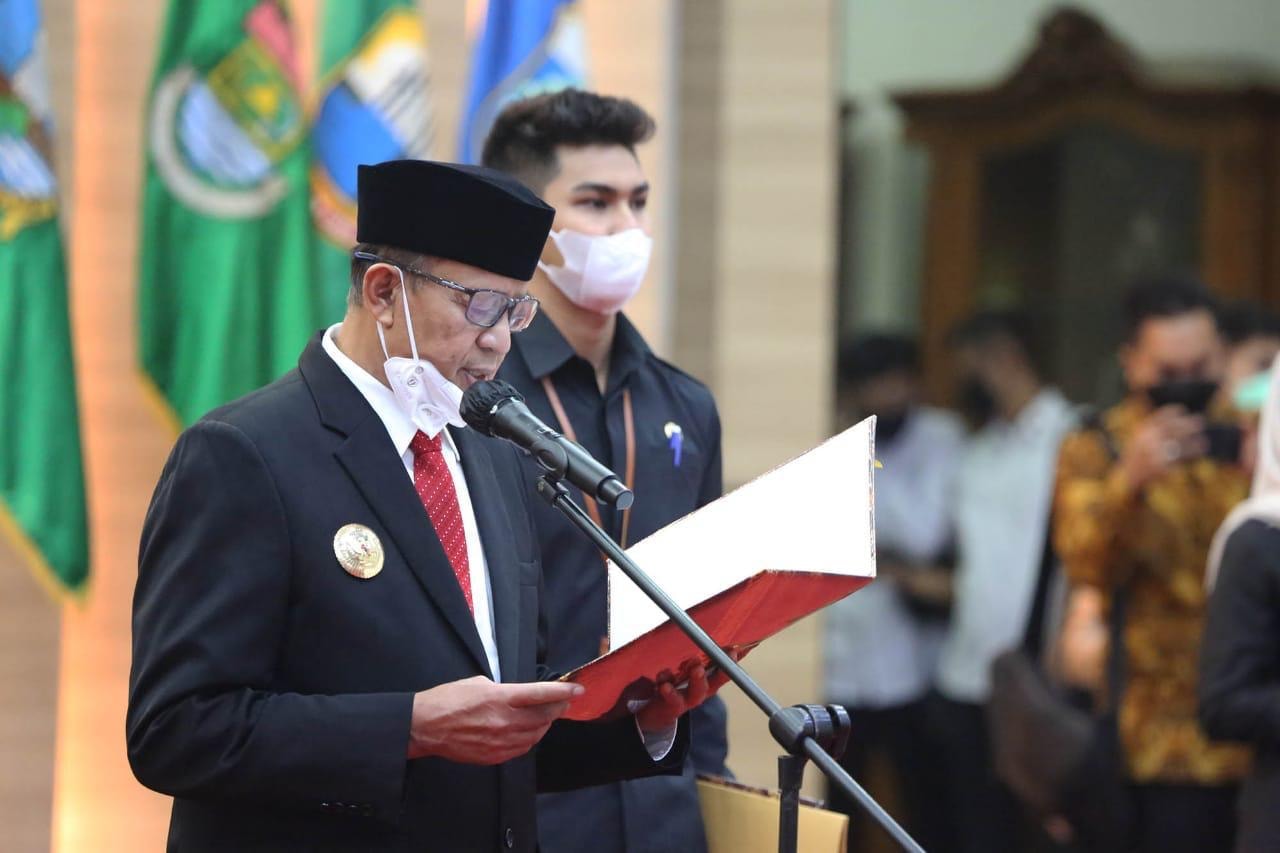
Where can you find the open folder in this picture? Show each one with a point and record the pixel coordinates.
(744, 567)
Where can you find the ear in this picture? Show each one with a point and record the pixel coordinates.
(379, 292)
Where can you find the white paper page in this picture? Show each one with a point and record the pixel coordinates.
(813, 514)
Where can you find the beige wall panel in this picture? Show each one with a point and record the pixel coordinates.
(447, 46)
(773, 309)
(29, 630)
(699, 44)
(628, 47)
(98, 805)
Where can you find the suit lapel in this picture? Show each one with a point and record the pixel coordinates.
(369, 458)
(499, 547)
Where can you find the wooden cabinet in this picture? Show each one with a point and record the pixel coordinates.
(1086, 168)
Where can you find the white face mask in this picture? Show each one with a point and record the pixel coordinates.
(600, 274)
(424, 395)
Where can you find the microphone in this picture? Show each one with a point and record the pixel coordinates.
(495, 408)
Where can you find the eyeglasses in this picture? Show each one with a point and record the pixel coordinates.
(484, 307)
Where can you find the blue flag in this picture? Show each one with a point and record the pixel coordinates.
(525, 47)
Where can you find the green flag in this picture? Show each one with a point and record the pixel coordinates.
(42, 505)
(373, 106)
(226, 299)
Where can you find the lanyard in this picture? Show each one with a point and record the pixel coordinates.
(628, 419)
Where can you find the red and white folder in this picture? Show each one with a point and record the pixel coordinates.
(745, 566)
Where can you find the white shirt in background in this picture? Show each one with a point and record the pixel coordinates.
(1003, 501)
(878, 653)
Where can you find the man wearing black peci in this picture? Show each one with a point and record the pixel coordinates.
(337, 618)
(582, 366)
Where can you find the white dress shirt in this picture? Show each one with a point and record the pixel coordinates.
(402, 430)
(1002, 514)
(877, 653)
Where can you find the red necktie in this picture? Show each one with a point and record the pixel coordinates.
(434, 485)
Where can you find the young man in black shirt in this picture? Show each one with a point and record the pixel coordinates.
(584, 367)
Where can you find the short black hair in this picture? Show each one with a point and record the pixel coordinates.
(1162, 297)
(525, 135)
(1245, 320)
(876, 354)
(988, 325)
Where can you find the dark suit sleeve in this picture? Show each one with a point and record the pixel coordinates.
(1240, 651)
(210, 612)
(712, 486)
(709, 740)
(577, 755)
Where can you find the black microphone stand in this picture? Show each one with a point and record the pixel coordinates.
(805, 732)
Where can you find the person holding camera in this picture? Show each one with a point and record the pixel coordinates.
(1136, 508)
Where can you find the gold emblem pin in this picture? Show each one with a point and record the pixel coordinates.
(358, 550)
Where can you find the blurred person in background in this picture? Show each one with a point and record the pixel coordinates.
(1136, 507)
(1002, 502)
(1252, 335)
(882, 644)
(1240, 650)
(582, 365)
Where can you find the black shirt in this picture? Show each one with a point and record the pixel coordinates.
(670, 482)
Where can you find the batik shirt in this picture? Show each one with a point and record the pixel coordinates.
(1153, 544)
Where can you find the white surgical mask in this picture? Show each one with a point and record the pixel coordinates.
(424, 395)
(601, 273)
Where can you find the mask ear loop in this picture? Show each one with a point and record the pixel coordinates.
(555, 239)
(413, 342)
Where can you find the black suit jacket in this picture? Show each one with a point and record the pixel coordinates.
(271, 692)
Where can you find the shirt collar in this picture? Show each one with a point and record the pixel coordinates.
(542, 347)
(379, 396)
(629, 351)
(545, 350)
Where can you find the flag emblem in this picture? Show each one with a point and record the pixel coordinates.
(374, 108)
(28, 190)
(219, 137)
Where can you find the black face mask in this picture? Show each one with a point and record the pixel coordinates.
(976, 402)
(889, 425)
(1194, 395)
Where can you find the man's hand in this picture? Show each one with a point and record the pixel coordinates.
(475, 721)
(1083, 643)
(669, 703)
(1166, 437)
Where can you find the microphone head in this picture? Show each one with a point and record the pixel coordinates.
(481, 401)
